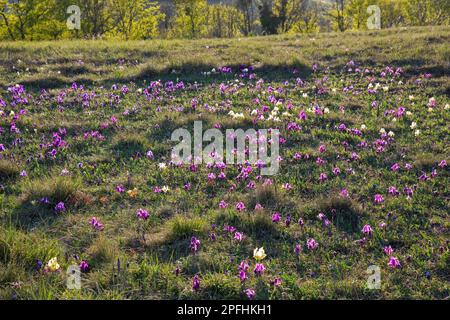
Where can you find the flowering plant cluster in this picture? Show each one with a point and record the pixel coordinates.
(85, 171)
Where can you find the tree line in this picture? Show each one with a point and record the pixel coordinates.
(144, 19)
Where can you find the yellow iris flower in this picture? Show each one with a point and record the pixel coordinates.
(259, 254)
(132, 193)
(53, 264)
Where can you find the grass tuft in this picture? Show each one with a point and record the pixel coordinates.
(56, 189)
(181, 227)
(8, 169)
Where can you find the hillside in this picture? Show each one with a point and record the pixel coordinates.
(87, 181)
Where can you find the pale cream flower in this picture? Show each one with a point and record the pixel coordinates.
(259, 254)
(53, 264)
(162, 165)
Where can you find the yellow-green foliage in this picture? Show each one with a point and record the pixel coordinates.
(145, 19)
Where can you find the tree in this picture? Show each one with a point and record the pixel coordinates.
(190, 18)
(147, 25)
(288, 13)
(427, 12)
(338, 15)
(268, 19)
(96, 17)
(5, 19)
(224, 21)
(356, 10)
(50, 29)
(248, 9)
(290, 16)
(391, 12)
(21, 17)
(308, 20)
(135, 19)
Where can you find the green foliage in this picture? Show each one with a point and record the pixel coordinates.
(190, 20)
(287, 13)
(224, 21)
(135, 19)
(352, 14)
(268, 19)
(25, 19)
(196, 19)
(426, 12)
(145, 19)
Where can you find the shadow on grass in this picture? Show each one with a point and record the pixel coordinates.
(27, 216)
(193, 72)
(188, 72)
(158, 244)
(343, 212)
(129, 145)
(415, 67)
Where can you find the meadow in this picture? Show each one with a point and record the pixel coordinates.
(86, 177)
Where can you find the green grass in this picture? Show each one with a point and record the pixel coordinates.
(150, 251)
(55, 64)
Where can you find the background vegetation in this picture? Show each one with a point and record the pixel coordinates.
(143, 19)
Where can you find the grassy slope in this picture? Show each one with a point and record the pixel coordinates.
(417, 229)
(52, 64)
